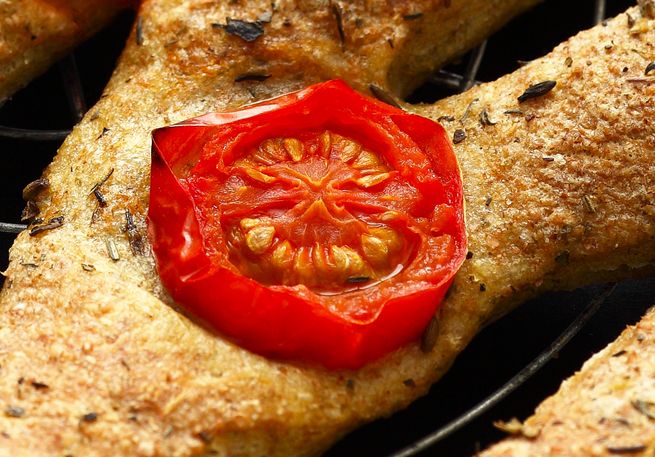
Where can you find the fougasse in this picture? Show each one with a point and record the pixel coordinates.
(557, 190)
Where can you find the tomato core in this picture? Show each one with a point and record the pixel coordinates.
(299, 211)
(321, 226)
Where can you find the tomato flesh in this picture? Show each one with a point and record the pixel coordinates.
(322, 226)
(318, 211)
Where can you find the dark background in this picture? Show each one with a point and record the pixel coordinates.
(496, 355)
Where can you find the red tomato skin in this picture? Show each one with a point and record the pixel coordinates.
(285, 322)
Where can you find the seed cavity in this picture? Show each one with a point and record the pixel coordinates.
(301, 232)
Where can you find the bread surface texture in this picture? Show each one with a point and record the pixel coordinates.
(96, 359)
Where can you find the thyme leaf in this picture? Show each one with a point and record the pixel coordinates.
(537, 90)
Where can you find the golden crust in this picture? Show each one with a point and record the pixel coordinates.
(106, 341)
(604, 410)
(36, 33)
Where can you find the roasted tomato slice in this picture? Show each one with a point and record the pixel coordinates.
(321, 226)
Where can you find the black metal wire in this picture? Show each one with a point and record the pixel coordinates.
(73, 86)
(599, 11)
(6, 227)
(447, 79)
(514, 383)
(473, 67)
(33, 134)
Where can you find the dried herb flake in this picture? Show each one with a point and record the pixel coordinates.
(412, 16)
(644, 407)
(467, 111)
(30, 211)
(39, 385)
(430, 335)
(139, 31)
(103, 133)
(537, 90)
(112, 250)
(102, 201)
(484, 118)
(650, 67)
(90, 417)
(102, 181)
(459, 136)
(338, 17)
(358, 279)
(53, 223)
(631, 20)
(641, 80)
(626, 449)
(383, 96)
(134, 237)
(588, 204)
(252, 76)
(14, 411)
(247, 31)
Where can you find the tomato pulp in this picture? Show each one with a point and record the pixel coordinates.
(321, 226)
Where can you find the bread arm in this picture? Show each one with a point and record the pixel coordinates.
(605, 409)
(559, 190)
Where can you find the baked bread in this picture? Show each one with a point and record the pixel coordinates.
(96, 360)
(36, 33)
(606, 409)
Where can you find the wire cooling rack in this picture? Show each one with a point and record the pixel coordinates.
(454, 419)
